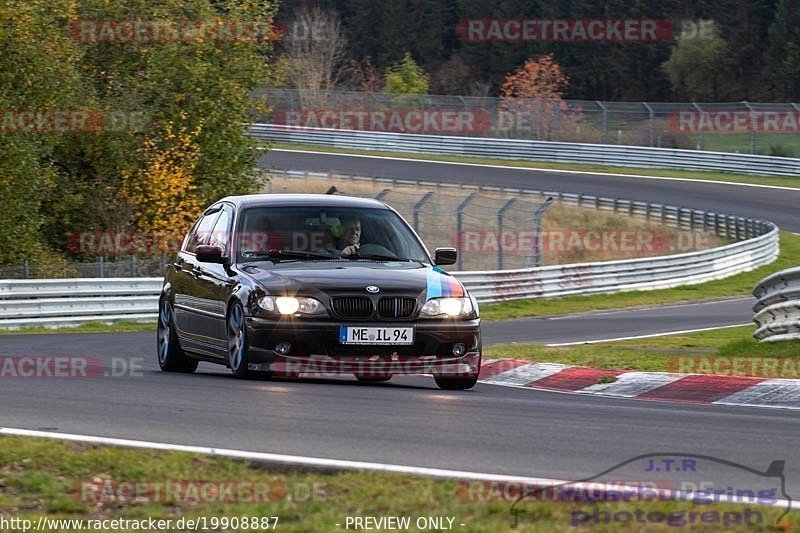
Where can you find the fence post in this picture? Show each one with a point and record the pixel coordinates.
(558, 120)
(460, 228)
(702, 134)
(537, 233)
(752, 126)
(605, 121)
(650, 123)
(500, 215)
(418, 206)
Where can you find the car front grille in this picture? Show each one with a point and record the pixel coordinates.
(352, 306)
(396, 307)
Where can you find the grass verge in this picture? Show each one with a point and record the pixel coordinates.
(123, 326)
(41, 477)
(738, 285)
(732, 177)
(687, 352)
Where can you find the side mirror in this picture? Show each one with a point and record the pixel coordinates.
(446, 256)
(209, 254)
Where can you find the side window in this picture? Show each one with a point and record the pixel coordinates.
(200, 232)
(220, 235)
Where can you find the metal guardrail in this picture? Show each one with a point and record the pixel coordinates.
(59, 302)
(54, 302)
(526, 150)
(745, 127)
(777, 311)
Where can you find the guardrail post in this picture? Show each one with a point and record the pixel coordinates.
(101, 268)
(133, 266)
(500, 214)
(460, 229)
(418, 206)
(27, 269)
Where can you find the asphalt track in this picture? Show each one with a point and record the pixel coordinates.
(409, 421)
(490, 429)
(778, 205)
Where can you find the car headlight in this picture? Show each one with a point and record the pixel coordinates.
(447, 308)
(291, 305)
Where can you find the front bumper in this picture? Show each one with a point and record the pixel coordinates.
(316, 348)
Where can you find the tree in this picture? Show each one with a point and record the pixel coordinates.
(532, 100)
(697, 66)
(314, 49)
(364, 76)
(163, 191)
(37, 72)
(194, 85)
(783, 57)
(406, 77)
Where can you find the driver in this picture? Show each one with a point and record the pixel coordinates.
(348, 235)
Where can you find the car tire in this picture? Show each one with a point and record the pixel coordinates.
(171, 358)
(372, 379)
(448, 383)
(237, 347)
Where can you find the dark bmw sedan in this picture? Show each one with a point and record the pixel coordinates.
(316, 285)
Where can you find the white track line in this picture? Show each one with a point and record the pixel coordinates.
(554, 170)
(339, 464)
(649, 335)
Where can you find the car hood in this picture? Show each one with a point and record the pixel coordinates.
(333, 278)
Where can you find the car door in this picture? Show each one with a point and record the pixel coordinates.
(191, 309)
(213, 282)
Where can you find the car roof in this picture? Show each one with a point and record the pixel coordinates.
(313, 200)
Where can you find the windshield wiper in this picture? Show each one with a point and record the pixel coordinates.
(289, 254)
(376, 257)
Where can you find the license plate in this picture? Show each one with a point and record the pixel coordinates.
(373, 335)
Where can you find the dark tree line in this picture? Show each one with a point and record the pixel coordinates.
(761, 61)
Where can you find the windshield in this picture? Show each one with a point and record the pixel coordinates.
(317, 233)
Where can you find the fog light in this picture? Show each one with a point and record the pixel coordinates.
(283, 348)
(459, 349)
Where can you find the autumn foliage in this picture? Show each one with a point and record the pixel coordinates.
(532, 99)
(163, 192)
